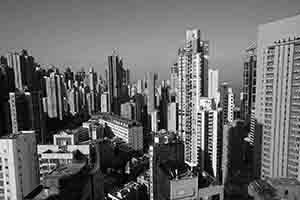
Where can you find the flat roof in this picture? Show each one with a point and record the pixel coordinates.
(174, 169)
(14, 136)
(68, 170)
(113, 117)
(283, 181)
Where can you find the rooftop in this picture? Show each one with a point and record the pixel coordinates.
(283, 181)
(68, 170)
(166, 137)
(112, 118)
(269, 188)
(125, 190)
(15, 136)
(176, 170)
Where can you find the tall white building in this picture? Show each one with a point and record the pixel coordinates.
(104, 102)
(227, 103)
(207, 143)
(172, 117)
(277, 106)
(192, 84)
(18, 165)
(174, 78)
(154, 120)
(213, 85)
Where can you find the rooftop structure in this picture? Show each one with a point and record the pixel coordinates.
(131, 190)
(275, 189)
(116, 119)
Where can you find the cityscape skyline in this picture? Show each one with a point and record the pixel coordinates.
(212, 115)
(231, 29)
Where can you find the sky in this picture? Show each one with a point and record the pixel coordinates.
(145, 33)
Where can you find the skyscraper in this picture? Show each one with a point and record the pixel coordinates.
(172, 117)
(26, 113)
(92, 87)
(6, 86)
(128, 110)
(154, 121)
(227, 102)
(117, 79)
(163, 105)
(277, 97)
(151, 82)
(19, 165)
(249, 83)
(104, 102)
(192, 84)
(166, 147)
(36, 115)
(54, 94)
(174, 78)
(20, 112)
(232, 154)
(140, 86)
(207, 142)
(213, 85)
(23, 66)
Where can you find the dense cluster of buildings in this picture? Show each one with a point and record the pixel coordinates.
(78, 136)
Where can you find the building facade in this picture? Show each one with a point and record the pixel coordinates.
(18, 165)
(277, 97)
(129, 131)
(249, 83)
(192, 84)
(213, 85)
(227, 103)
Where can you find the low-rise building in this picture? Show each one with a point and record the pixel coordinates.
(275, 189)
(176, 181)
(76, 181)
(129, 131)
(130, 191)
(53, 156)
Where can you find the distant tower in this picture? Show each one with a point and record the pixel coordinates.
(227, 102)
(116, 80)
(151, 82)
(23, 66)
(213, 85)
(249, 83)
(174, 78)
(54, 93)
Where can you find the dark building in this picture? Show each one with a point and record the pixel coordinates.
(275, 188)
(167, 146)
(249, 83)
(163, 106)
(76, 181)
(69, 78)
(233, 154)
(151, 83)
(130, 191)
(176, 181)
(38, 117)
(79, 180)
(7, 85)
(21, 118)
(23, 66)
(116, 80)
(26, 113)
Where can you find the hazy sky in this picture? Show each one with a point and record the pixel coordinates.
(146, 33)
